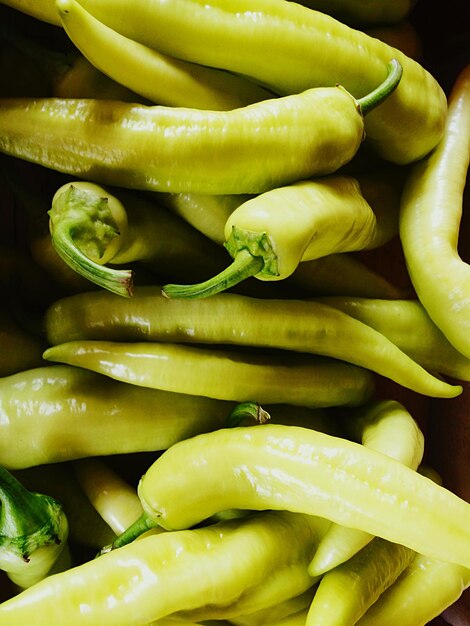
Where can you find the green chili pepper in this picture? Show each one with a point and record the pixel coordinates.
(294, 325)
(239, 376)
(388, 428)
(423, 590)
(246, 150)
(288, 467)
(153, 75)
(331, 275)
(91, 227)
(163, 574)
(289, 48)
(33, 532)
(407, 324)
(269, 235)
(346, 592)
(429, 223)
(63, 413)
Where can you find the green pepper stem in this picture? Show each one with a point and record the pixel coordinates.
(246, 410)
(117, 281)
(28, 520)
(378, 95)
(139, 527)
(243, 266)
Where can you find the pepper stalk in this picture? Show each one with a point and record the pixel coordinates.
(33, 532)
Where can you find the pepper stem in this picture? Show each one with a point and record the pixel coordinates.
(139, 527)
(243, 266)
(117, 281)
(83, 227)
(378, 95)
(246, 410)
(28, 520)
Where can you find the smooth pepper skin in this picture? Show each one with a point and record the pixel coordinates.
(430, 216)
(387, 427)
(346, 592)
(287, 467)
(423, 590)
(155, 76)
(230, 375)
(289, 48)
(226, 318)
(162, 574)
(54, 414)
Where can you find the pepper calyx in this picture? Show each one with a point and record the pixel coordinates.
(258, 245)
(28, 520)
(85, 235)
(252, 254)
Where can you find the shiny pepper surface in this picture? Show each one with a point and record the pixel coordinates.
(293, 468)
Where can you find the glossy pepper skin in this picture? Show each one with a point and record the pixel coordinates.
(54, 414)
(160, 575)
(387, 427)
(426, 343)
(423, 590)
(225, 318)
(286, 467)
(347, 591)
(289, 48)
(155, 76)
(230, 375)
(92, 227)
(430, 215)
(176, 149)
(269, 235)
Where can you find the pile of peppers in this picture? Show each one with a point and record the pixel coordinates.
(236, 315)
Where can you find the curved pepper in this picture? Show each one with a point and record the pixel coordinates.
(407, 324)
(270, 234)
(422, 592)
(289, 48)
(155, 76)
(33, 532)
(91, 226)
(162, 574)
(294, 325)
(335, 274)
(288, 467)
(347, 591)
(430, 217)
(59, 413)
(238, 376)
(388, 428)
(176, 149)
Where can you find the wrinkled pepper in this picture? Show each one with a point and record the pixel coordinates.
(430, 215)
(82, 325)
(286, 467)
(163, 574)
(288, 48)
(177, 149)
